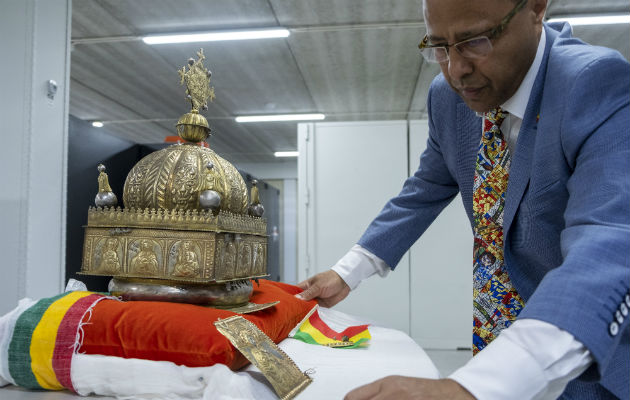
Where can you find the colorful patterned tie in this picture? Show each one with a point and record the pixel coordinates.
(496, 302)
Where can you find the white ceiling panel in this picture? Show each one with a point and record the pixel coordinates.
(351, 12)
(350, 59)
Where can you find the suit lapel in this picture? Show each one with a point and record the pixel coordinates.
(469, 136)
(520, 170)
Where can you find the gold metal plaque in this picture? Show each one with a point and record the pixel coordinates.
(248, 308)
(285, 377)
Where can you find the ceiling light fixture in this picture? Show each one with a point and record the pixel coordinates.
(97, 124)
(280, 117)
(594, 19)
(217, 36)
(286, 153)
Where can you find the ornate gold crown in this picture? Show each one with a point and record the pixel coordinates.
(186, 218)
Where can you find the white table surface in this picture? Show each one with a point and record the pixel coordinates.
(334, 371)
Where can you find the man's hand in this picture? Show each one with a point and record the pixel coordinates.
(326, 287)
(402, 387)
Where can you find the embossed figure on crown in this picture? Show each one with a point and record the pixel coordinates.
(187, 264)
(133, 186)
(259, 259)
(244, 260)
(185, 181)
(230, 256)
(145, 262)
(220, 252)
(110, 263)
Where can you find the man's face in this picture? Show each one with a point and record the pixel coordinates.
(485, 83)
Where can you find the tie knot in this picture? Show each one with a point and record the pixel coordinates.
(496, 116)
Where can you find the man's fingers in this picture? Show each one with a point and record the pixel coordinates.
(332, 301)
(303, 285)
(310, 293)
(364, 392)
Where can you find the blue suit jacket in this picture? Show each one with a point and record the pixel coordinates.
(567, 211)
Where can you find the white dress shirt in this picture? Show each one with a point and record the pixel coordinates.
(531, 359)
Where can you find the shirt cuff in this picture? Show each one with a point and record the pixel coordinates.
(531, 359)
(359, 264)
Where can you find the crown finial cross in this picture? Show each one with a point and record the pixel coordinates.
(197, 81)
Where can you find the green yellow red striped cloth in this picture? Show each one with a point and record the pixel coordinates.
(44, 339)
(314, 330)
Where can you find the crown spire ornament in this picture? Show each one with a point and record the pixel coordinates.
(197, 80)
(105, 196)
(255, 208)
(192, 126)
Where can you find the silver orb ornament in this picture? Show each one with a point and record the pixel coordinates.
(209, 200)
(256, 210)
(106, 199)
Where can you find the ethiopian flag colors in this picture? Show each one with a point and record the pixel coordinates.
(44, 338)
(314, 330)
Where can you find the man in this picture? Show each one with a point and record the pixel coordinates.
(553, 248)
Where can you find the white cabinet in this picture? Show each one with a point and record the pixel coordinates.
(346, 173)
(35, 43)
(441, 269)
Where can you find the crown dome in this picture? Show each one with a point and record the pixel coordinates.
(173, 178)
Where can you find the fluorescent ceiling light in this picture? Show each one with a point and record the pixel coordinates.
(280, 117)
(97, 124)
(594, 19)
(286, 153)
(217, 36)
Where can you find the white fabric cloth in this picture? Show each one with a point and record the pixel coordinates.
(125, 378)
(334, 371)
(75, 285)
(7, 323)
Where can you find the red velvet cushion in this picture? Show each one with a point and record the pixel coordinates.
(185, 333)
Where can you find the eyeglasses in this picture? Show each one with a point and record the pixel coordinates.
(476, 47)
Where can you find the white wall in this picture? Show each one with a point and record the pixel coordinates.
(347, 171)
(441, 269)
(289, 228)
(35, 42)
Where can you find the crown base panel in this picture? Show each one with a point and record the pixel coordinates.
(173, 256)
